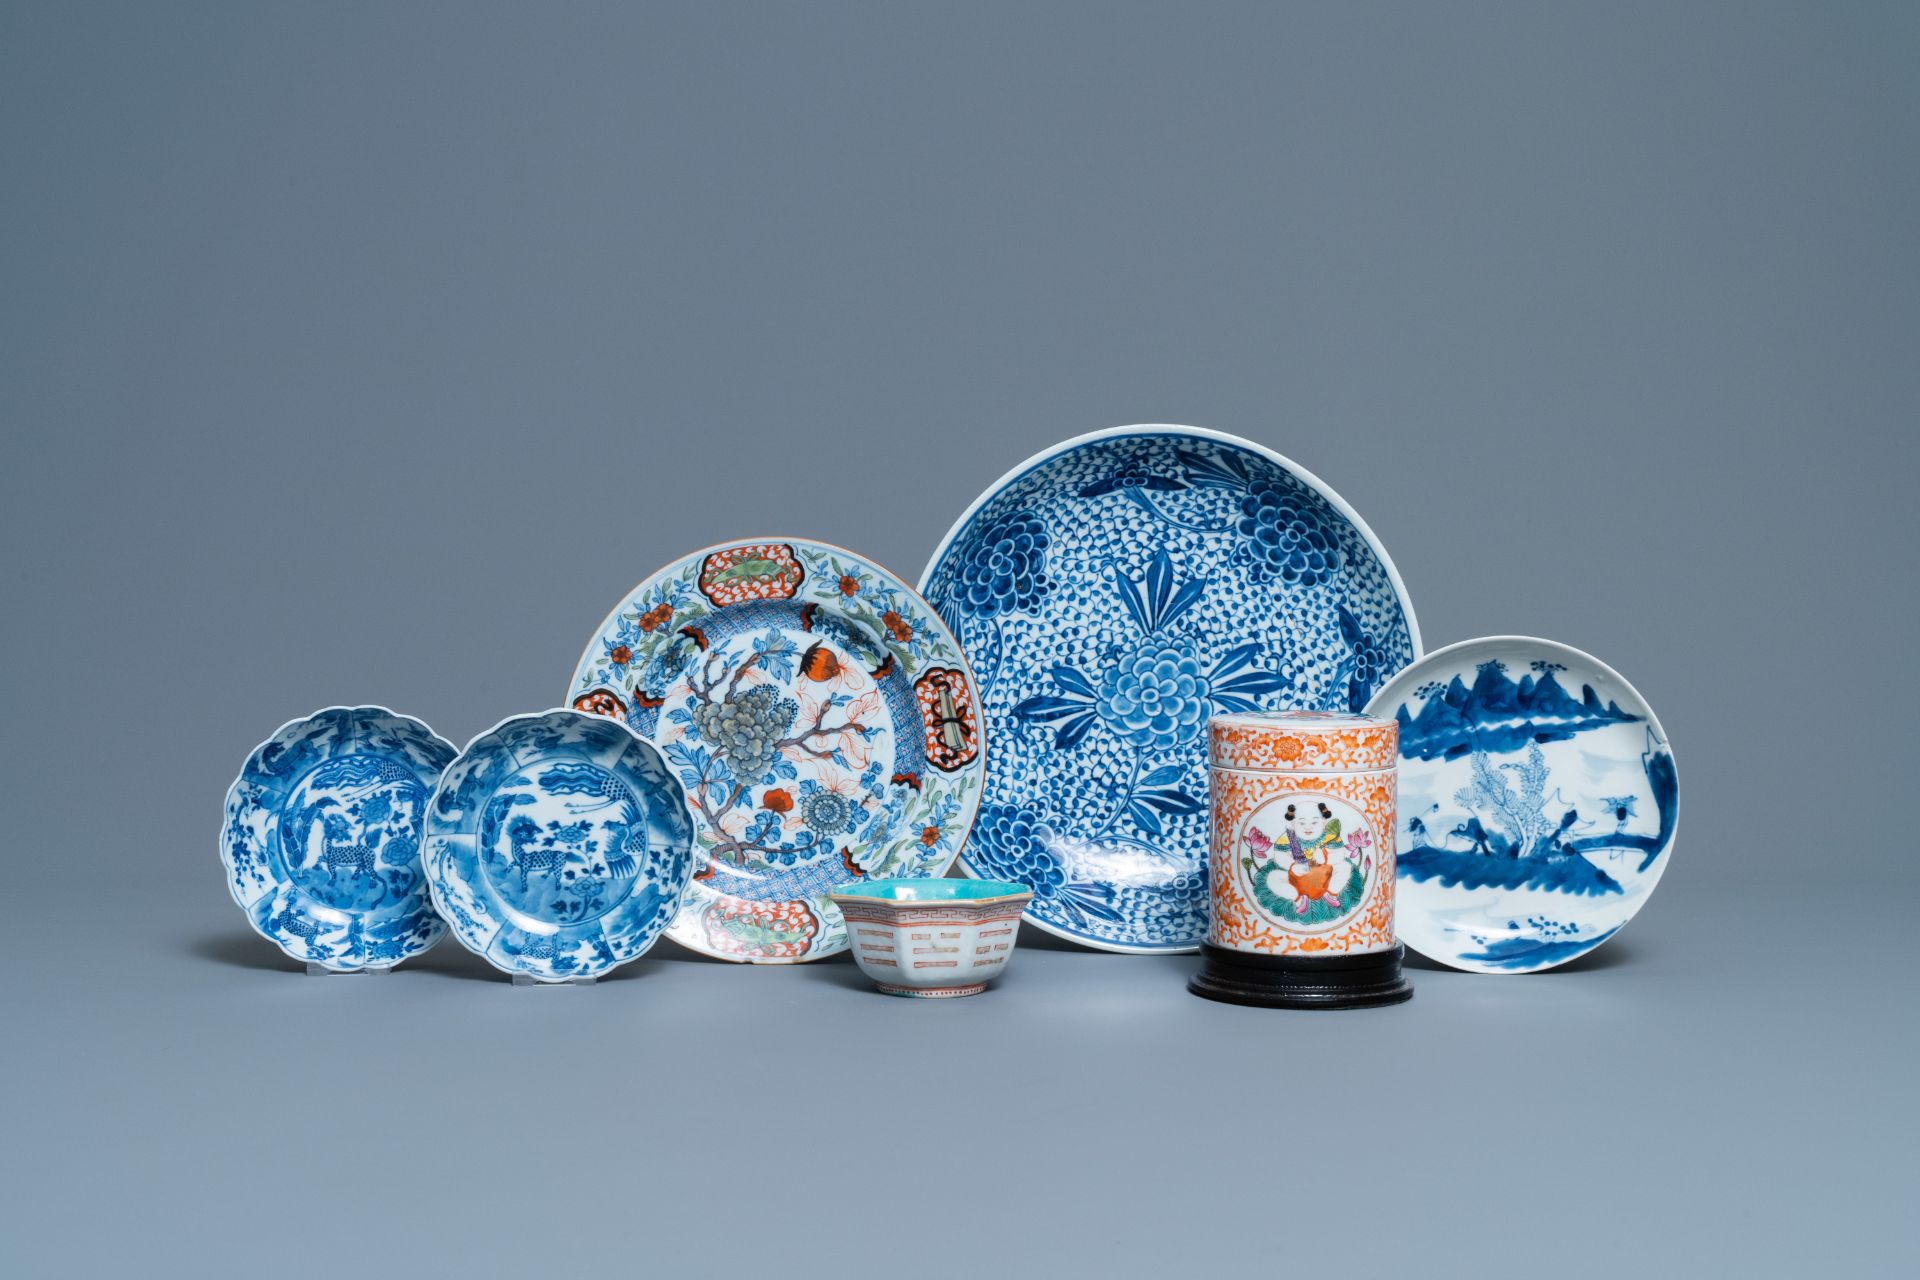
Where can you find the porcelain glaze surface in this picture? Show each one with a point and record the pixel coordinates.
(821, 718)
(322, 837)
(1538, 803)
(558, 845)
(1302, 833)
(1116, 591)
(932, 938)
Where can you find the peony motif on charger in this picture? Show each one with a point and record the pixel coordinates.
(1154, 695)
(1113, 595)
(1004, 570)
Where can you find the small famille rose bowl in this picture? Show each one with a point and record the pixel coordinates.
(930, 937)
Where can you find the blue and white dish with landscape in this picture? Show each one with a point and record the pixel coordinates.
(321, 839)
(558, 845)
(1114, 592)
(1538, 803)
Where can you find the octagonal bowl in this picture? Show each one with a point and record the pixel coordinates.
(932, 938)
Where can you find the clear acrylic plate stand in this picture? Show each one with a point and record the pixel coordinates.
(519, 979)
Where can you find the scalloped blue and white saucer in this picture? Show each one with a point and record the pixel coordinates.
(1538, 803)
(1114, 592)
(321, 839)
(821, 718)
(558, 845)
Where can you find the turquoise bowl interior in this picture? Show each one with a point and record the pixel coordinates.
(927, 889)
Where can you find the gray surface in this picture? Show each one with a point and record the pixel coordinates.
(370, 354)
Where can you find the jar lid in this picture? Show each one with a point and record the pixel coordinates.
(1302, 741)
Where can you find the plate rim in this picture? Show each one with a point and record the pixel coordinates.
(1156, 429)
(1375, 705)
(913, 590)
(226, 806)
(1161, 430)
(433, 892)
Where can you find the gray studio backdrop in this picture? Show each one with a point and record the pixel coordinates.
(369, 353)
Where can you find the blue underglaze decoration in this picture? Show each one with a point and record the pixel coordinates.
(322, 837)
(820, 718)
(1519, 830)
(558, 845)
(1113, 596)
(1541, 951)
(1533, 820)
(1501, 714)
(1562, 873)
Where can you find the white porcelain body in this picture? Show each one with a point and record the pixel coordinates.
(1539, 803)
(1302, 833)
(865, 757)
(1112, 593)
(932, 948)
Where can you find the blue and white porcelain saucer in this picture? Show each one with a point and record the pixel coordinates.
(821, 718)
(1538, 803)
(322, 837)
(558, 845)
(1114, 592)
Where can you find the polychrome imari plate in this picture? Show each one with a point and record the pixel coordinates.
(1538, 803)
(322, 837)
(821, 718)
(1114, 592)
(558, 845)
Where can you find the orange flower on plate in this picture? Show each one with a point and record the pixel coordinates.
(778, 799)
(657, 617)
(897, 626)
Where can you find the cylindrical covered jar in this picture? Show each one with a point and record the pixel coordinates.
(1301, 861)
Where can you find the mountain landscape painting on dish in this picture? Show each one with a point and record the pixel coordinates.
(1500, 714)
(1507, 820)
